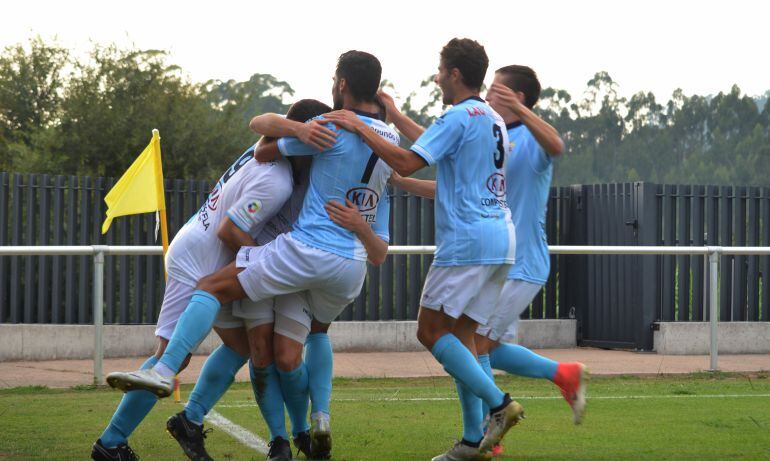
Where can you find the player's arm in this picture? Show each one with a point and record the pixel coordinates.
(544, 133)
(233, 237)
(404, 124)
(349, 218)
(311, 133)
(405, 162)
(422, 187)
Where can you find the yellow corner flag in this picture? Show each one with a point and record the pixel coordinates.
(140, 189)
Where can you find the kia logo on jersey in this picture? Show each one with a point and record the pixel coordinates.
(364, 198)
(496, 184)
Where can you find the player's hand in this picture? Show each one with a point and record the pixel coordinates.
(395, 178)
(388, 103)
(506, 97)
(345, 216)
(344, 119)
(315, 134)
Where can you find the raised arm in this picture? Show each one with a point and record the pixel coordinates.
(544, 133)
(405, 162)
(404, 124)
(422, 187)
(311, 133)
(349, 218)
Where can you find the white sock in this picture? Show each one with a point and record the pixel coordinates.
(163, 370)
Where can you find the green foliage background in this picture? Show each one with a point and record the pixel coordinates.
(92, 116)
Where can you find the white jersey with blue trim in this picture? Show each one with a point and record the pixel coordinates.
(528, 173)
(348, 170)
(468, 144)
(250, 193)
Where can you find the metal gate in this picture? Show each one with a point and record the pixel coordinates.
(614, 296)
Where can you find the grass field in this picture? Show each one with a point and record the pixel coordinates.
(693, 417)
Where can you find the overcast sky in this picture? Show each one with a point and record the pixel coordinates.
(703, 47)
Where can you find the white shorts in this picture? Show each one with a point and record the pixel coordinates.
(175, 300)
(464, 290)
(253, 315)
(514, 299)
(286, 265)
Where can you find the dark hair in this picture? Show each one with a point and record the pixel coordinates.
(469, 57)
(362, 72)
(305, 109)
(524, 79)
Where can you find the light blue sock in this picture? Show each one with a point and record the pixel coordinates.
(217, 374)
(294, 385)
(473, 416)
(267, 393)
(193, 326)
(518, 360)
(459, 362)
(487, 367)
(319, 361)
(133, 408)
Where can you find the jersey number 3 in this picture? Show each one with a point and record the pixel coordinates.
(498, 156)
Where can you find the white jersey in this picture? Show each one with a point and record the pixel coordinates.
(250, 194)
(284, 220)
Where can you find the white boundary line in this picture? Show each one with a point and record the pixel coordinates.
(607, 397)
(237, 432)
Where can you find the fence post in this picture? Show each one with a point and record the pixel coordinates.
(98, 312)
(713, 306)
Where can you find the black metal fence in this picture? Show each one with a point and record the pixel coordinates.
(616, 299)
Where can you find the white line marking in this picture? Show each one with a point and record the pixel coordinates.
(237, 432)
(606, 397)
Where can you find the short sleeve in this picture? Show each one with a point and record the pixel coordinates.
(290, 146)
(381, 225)
(257, 206)
(538, 158)
(442, 138)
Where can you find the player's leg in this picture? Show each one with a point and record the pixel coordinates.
(135, 406)
(292, 325)
(217, 374)
(470, 292)
(319, 359)
(515, 359)
(326, 303)
(193, 326)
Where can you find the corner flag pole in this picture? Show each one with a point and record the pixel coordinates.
(163, 230)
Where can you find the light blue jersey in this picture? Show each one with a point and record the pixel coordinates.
(528, 173)
(469, 144)
(348, 170)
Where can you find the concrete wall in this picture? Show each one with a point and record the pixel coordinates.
(51, 342)
(692, 338)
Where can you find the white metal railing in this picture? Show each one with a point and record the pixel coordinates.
(100, 251)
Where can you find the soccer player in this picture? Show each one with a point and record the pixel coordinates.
(245, 197)
(257, 322)
(528, 174)
(318, 255)
(474, 232)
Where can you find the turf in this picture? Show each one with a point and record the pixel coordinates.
(701, 416)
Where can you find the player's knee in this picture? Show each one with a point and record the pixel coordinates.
(287, 358)
(261, 351)
(427, 336)
(318, 327)
(209, 284)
